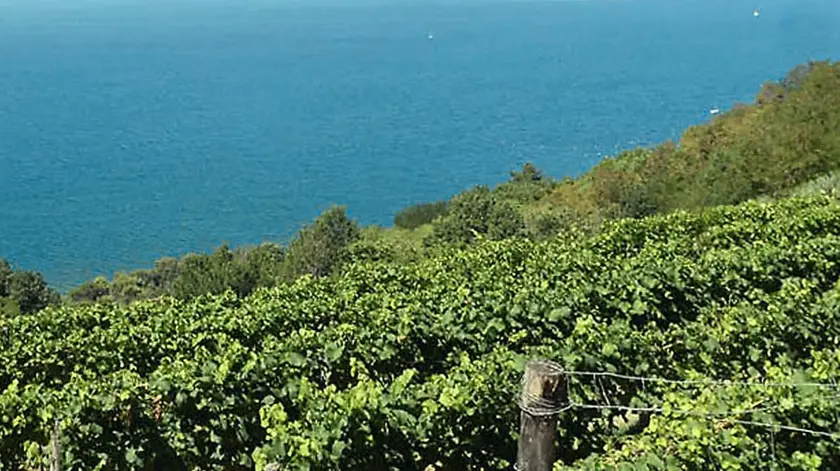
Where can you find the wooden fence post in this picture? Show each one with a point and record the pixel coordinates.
(544, 394)
(55, 448)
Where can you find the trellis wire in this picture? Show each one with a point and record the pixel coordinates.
(706, 415)
(701, 382)
(548, 408)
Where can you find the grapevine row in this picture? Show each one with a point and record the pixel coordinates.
(410, 366)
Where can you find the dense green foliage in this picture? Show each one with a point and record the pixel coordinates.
(417, 215)
(321, 248)
(525, 186)
(409, 365)
(23, 292)
(401, 348)
(318, 249)
(474, 214)
(241, 270)
(787, 137)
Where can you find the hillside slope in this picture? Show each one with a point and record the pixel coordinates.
(787, 137)
(404, 366)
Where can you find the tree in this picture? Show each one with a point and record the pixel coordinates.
(215, 273)
(126, 288)
(91, 291)
(5, 277)
(31, 293)
(320, 248)
(264, 264)
(475, 213)
(529, 174)
(166, 272)
(798, 75)
(525, 186)
(161, 278)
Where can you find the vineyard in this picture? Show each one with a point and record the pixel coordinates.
(416, 366)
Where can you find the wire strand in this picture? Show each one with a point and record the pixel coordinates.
(712, 416)
(701, 382)
(546, 408)
(676, 411)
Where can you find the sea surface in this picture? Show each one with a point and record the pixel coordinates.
(135, 129)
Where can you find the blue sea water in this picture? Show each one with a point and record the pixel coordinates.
(134, 129)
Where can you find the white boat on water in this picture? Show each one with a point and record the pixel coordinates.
(756, 13)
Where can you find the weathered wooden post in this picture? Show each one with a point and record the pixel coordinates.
(544, 395)
(55, 448)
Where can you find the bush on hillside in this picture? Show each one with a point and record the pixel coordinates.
(5, 277)
(320, 248)
(91, 291)
(30, 292)
(788, 137)
(525, 186)
(417, 215)
(477, 214)
(23, 292)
